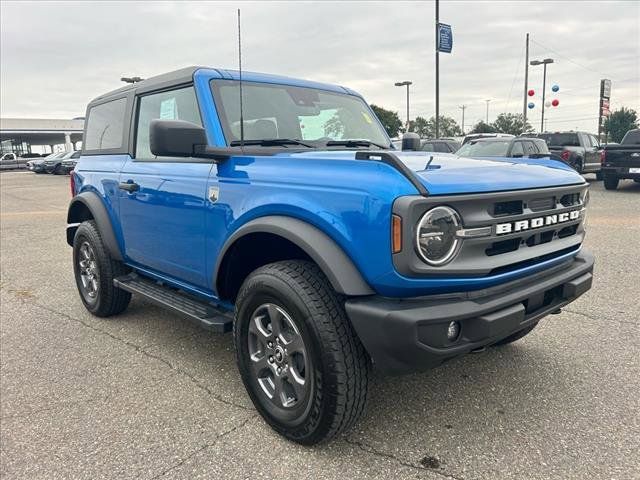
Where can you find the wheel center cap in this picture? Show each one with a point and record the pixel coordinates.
(279, 354)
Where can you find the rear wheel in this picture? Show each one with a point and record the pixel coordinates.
(95, 270)
(611, 182)
(516, 336)
(300, 360)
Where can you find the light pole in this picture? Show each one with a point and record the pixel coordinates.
(402, 84)
(544, 84)
(462, 107)
(487, 100)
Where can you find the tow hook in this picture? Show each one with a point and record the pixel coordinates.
(478, 350)
(557, 312)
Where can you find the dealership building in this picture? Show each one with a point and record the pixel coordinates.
(19, 135)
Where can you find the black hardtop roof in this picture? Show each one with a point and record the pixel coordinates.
(176, 77)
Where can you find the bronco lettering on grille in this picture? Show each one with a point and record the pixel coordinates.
(528, 224)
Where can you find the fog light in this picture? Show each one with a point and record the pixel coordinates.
(453, 331)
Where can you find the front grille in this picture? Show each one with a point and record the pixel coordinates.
(541, 204)
(541, 224)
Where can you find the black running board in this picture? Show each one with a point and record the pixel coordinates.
(207, 315)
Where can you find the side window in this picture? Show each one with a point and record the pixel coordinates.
(178, 104)
(428, 147)
(105, 125)
(517, 149)
(586, 140)
(594, 141)
(442, 147)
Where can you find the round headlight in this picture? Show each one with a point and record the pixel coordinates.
(436, 237)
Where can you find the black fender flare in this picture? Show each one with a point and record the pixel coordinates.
(92, 202)
(343, 275)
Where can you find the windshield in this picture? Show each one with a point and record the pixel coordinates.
(561, 139)
(484, 149)
(311, 115)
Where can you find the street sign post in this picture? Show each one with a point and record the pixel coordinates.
(445, 38)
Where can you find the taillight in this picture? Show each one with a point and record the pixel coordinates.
(565, 155)
(603, 157)
(72, 184)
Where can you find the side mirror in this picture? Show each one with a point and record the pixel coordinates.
(175, 138)
(517, 155)
(411, 141)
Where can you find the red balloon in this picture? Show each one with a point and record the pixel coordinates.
(555, 103)
(531, 93)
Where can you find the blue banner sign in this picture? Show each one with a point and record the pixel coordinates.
(445, 38)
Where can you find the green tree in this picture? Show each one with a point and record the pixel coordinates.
(390, 120)
(619, 123)
(420, 126)
(427, 128)
(448, 127)
(483, 127)
(512, 123)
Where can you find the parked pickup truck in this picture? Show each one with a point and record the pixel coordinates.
(622, 161)
(292, 222)
(580, 150)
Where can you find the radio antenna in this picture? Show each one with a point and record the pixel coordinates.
(240, 82)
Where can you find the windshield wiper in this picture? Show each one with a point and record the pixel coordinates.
(355, 143)
(271, 142)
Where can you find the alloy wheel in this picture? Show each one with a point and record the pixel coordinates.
(88, 270)
(278, 357)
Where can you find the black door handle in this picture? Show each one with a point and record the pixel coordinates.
(129, 186)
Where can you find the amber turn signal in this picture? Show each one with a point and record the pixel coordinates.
(396, 233)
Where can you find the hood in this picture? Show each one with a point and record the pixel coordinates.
(449, 174)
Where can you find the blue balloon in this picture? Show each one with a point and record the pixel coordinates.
(555, 88)
(531, 105)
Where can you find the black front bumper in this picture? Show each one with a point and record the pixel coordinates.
(404, 335)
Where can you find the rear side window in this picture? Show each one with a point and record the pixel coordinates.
(105, 125)
(561, 139)
(632, 137)
(530, 148)
(542, 146)
(180, 104)
(517, 149)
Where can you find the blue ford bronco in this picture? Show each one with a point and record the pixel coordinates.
(278, 209)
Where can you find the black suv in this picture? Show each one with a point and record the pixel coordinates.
(579, 149)
(504, 147)
(440, 146)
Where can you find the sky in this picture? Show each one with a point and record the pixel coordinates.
(56, 56)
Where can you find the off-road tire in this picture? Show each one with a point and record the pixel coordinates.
(339, 365)
(611, 182)
(109, 300)
(516, 336)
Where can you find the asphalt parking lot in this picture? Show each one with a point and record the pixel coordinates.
(148, 395)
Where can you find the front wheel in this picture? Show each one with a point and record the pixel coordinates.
(300, 359)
